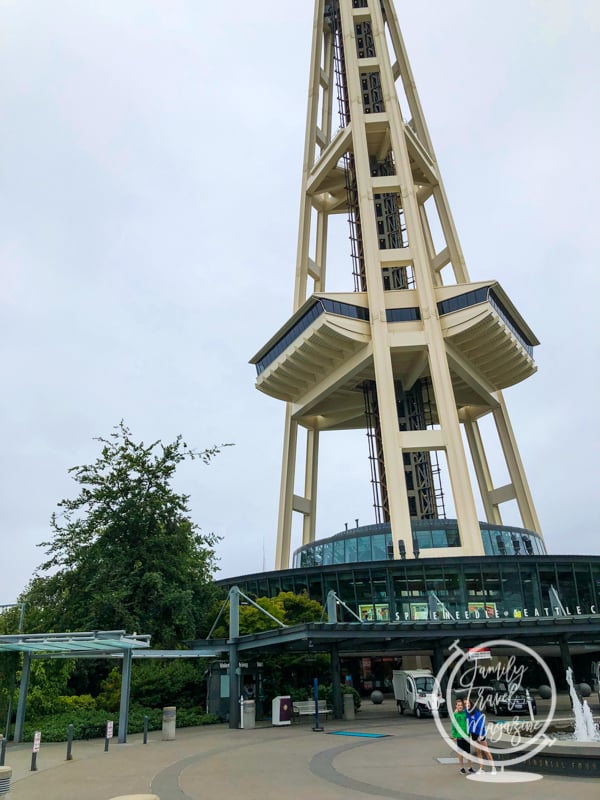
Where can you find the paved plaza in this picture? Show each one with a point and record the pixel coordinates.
(408, 761)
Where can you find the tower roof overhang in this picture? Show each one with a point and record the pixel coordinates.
(321, 358)
(485, 329)
(326, 333)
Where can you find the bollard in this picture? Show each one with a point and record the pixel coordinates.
(316, 726)
(145, 730)
(169, 720)
(69, 742)
(348, 706)
(109, 734)
(37, 738)
(2, 750)
(5, 776)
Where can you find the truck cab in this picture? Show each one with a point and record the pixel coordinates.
(417, 692)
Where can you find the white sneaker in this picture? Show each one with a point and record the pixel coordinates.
(480, 770)
(494, 772)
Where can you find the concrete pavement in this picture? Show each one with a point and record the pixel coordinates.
(410, 761)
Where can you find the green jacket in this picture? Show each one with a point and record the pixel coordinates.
(459, 724)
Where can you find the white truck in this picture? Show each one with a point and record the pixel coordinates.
(417, 692)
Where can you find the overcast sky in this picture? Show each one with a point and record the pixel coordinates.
(150, 158)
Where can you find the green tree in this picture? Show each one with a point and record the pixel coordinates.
(287, 607)
(158, 683)
(283, 673)
(124, 553)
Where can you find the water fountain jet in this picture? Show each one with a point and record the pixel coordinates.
(585, 729)
(575, 753)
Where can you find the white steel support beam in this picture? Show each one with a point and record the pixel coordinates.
(286, 493)
(482, 471)
(384, 377)
(440, 374)
(381, 169)
(310, 486)
(516, 469)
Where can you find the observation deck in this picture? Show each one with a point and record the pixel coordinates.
(320, 359)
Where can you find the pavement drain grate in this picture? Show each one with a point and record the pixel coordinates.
(356, 733)
(447, 760)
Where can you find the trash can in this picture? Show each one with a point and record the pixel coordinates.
(281, 710)
(249, 714)
(5, 776)
(169, 720)
(348, 706)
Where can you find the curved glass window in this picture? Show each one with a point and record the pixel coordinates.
(482, 295)
(511, 541)
(502, 312)
(374, 543)
(402, 314)
(319, 306)
(289, 336)
(464, 300)
(364, 548)
(379, 548)
(318, 554)
(351, 550)
(339, 556)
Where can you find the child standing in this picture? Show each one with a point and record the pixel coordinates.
(461, 736)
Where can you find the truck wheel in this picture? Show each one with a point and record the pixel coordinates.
(418, 712)
(400, 707)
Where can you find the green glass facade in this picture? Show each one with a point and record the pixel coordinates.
(436, 588)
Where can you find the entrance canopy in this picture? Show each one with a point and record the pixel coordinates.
(382, 637)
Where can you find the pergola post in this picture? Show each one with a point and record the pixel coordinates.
(23, 690)
(125, 692)
(336, 684)
(234, 632)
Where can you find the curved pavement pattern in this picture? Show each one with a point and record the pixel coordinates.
(269, 763)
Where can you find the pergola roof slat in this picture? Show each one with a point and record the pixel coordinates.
(103, 642)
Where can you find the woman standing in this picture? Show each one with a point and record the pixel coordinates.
(477, 732)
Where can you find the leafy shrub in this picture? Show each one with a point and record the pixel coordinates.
(355, 695)
(156, 684)
(91, 724)
(74, 703)
(48, 683)
(110, 696)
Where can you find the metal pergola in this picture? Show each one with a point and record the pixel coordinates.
(91, 644)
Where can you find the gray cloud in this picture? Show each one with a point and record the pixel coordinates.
(150, 170)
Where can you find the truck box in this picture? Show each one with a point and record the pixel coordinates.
(417, 692)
